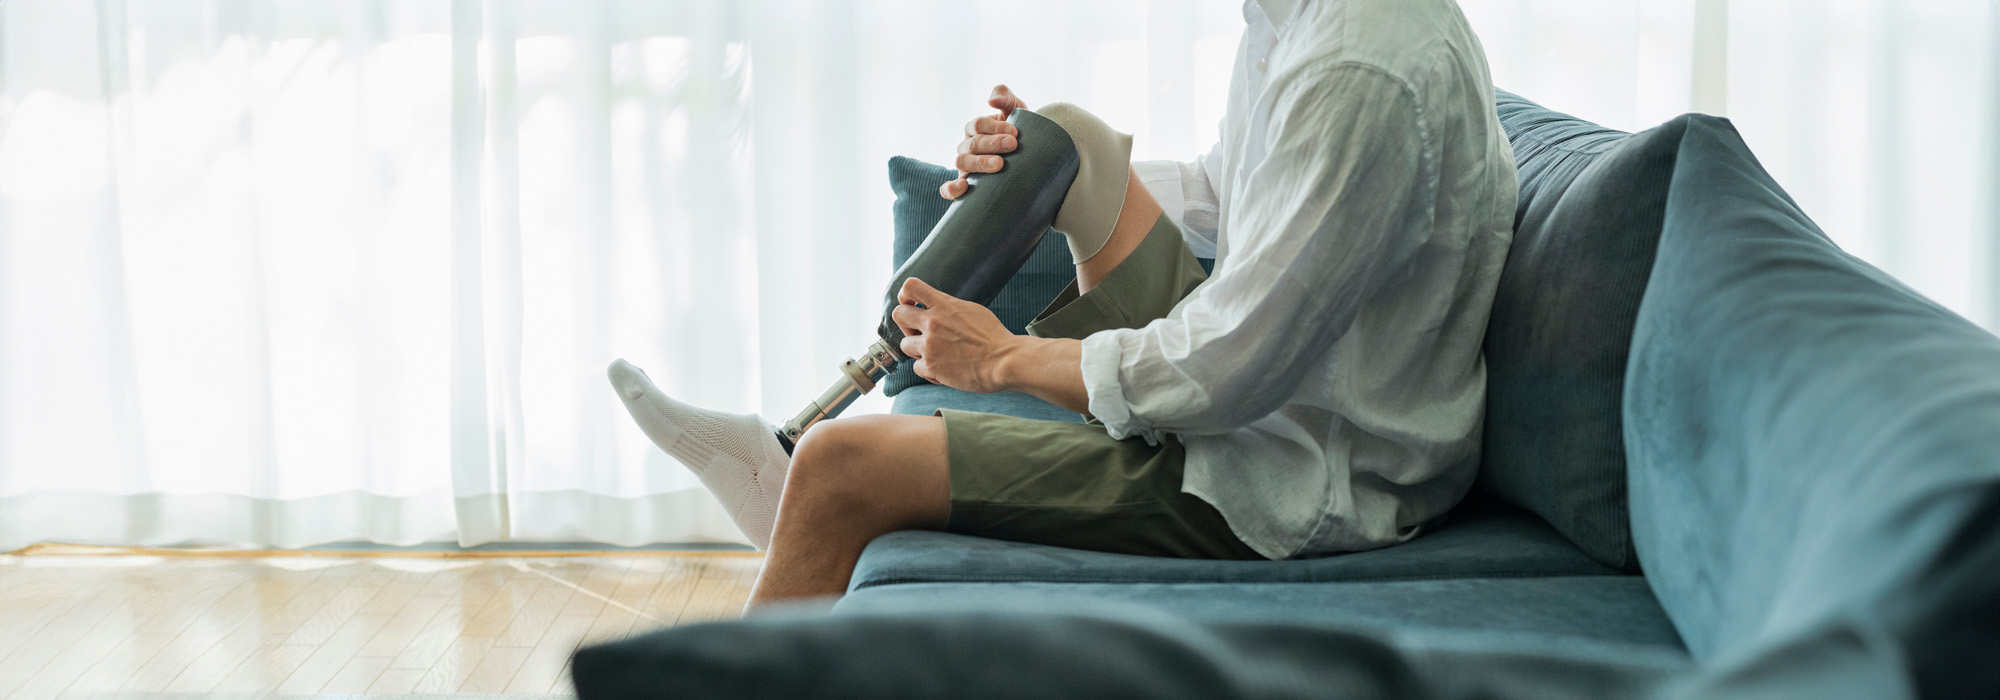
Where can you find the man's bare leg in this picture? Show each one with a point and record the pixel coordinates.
(855, 479)
(852, 480)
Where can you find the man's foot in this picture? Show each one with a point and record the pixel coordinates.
(737, 456)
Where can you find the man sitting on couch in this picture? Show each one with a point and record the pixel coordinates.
(1321, 392)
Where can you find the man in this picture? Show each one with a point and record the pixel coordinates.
(1321, 392)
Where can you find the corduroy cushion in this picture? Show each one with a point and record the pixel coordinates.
(917, 210)
(1815, 449)
(1482, 539)
(1112, 649)
(1578, 609)
(1586, 229)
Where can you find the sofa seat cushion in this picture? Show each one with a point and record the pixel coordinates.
(1582, 610)
(1104, 653)
(1483, 538)
(926, 399)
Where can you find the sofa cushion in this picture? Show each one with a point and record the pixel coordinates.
(1482, 538)
(918, 209)
(1120, 652)
(926, 398)
(1588, 221)
(1584, 609)
(1815, 448)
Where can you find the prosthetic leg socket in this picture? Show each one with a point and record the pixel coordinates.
(984, 238)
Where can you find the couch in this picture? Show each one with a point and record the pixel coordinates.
(1722, 459)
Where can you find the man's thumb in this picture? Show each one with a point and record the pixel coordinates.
(1004, 100)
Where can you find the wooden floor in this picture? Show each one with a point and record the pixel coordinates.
(97, 626)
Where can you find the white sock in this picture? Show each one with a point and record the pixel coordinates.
(737, 456)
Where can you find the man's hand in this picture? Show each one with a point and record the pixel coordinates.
(955, 342)
(985, 139)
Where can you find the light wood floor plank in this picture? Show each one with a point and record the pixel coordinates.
(263, 669)
(332, 617)
(44, 596)
(125, 639)
(401, 629)
(499, 612)
(717, 596)
(150, 657)
(207, 670)
(544, 664)
(600, 580)
(396, 681)
(454, 665)
(104, 625)
(528, 625)
(275, 590)
(357, 676)
(330, 656)
(59, 634)
(495, 670)
(671, 598)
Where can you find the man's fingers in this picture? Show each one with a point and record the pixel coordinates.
(977, 163)
(990, 124)
(912, 347)
(923, 369)
(915, 291)
(909, 318)
(1004, 100)
(985, 138)
(954, 188)
(988, 144)
(993, 143)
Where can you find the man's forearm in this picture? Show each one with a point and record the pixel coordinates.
(1048, 368)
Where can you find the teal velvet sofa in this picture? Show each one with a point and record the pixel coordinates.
(1723, 459)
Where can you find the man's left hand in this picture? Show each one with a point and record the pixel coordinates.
(955, 342)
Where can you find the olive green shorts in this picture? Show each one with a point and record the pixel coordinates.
(1071, 484)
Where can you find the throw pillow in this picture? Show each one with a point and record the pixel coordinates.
(1586, 229)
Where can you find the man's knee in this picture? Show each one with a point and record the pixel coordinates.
(821, 458)
(845, 469)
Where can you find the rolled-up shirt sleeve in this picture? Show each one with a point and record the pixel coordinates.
(1337, 209)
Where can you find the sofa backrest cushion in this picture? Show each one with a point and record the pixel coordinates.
(1814, 448)
(918, 209)
(1588, 220)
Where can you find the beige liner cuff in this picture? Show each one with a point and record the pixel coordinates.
(1090, 209)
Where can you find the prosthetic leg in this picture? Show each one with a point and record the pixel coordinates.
(1063, 173)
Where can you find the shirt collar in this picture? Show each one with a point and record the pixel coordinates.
(1277, 12)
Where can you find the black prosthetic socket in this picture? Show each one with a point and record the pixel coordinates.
(989, 232)
(985, 237)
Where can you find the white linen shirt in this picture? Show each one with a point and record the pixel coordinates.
(1327, 380)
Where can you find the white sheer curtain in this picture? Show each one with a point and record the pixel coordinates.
(1881, 117)
(295, 272)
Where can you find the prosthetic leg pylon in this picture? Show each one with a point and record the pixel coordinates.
(983, 239)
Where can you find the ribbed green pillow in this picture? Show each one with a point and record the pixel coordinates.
(1591, 208)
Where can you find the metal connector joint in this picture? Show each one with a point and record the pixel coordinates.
(857, 377)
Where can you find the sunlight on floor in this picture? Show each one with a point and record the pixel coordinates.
(94, 624)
